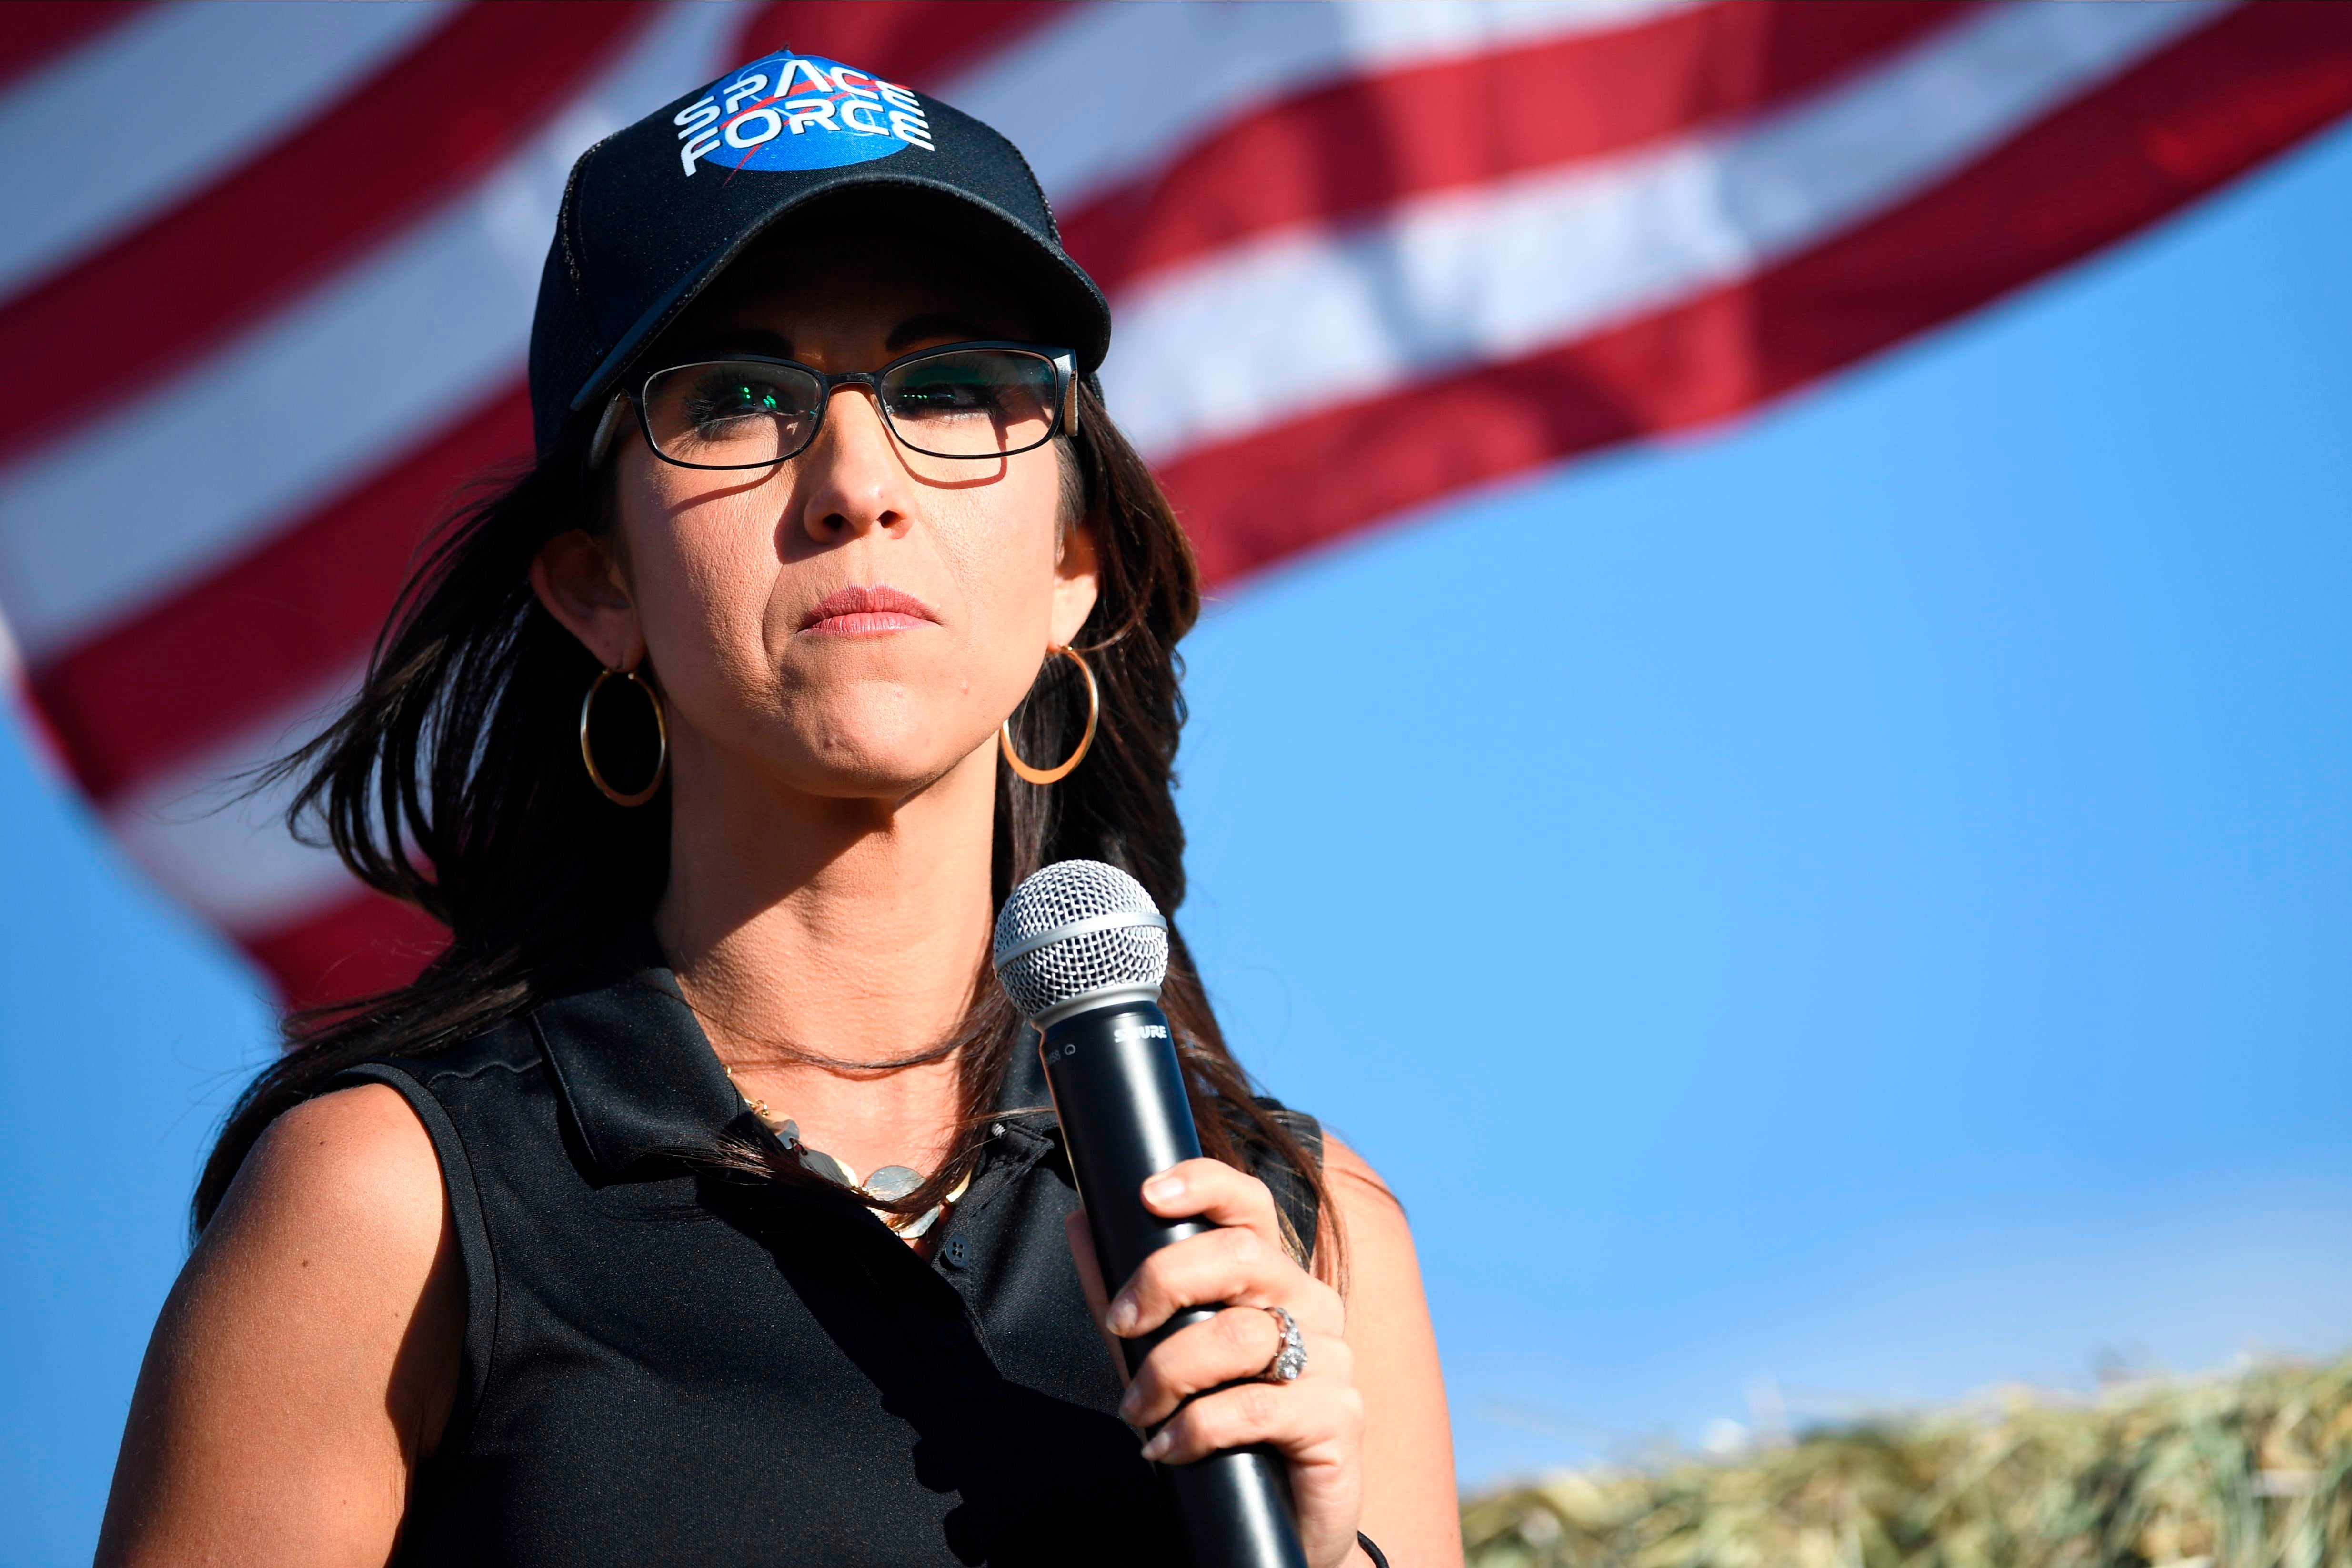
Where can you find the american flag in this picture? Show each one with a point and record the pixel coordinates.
(267, 272)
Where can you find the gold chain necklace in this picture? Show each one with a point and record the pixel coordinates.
(886, 1183)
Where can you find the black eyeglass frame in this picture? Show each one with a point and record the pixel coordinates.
(1063, 361)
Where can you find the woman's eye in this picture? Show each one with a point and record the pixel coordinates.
(713, 404)
(944, 396)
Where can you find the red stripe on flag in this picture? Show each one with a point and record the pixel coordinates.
(238, 646)
(1350, 150)
(368, 942)
(128, 703)
(920, 42)
(34, 32)
(192, 277)
(2186, 119)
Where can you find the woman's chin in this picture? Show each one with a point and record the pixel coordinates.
(875, 768)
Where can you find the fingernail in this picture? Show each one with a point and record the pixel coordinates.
(1164, 1188)
(1122, 1315)
(1158, 1447)
(1129, 1404)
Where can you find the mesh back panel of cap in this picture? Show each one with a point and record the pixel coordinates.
(1066, 892)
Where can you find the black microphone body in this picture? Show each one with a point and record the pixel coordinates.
(1118, 1092)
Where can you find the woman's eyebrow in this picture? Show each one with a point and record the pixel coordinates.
(915, 329)
(725, 340)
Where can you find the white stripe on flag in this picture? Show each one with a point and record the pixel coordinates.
(1145, 80)
(1282, 326)
(151, 110)
(225, 851)
(129, 508)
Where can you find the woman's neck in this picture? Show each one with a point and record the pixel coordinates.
(811, 933)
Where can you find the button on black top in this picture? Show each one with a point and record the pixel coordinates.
(664, 1363)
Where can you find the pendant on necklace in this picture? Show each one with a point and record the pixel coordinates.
(892, 1183)
(887, 1183)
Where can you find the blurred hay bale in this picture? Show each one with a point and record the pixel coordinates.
(2244, 1473)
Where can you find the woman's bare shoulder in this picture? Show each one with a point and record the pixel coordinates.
(307, 1357)
(1363, 1196)
(359, 1152)
(336, 1225)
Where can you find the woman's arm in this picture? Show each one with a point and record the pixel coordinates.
(307, 1358)
(1409, 1505)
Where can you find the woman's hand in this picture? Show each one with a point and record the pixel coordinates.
(1317, 1421)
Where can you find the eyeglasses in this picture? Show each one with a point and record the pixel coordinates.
(964, 401)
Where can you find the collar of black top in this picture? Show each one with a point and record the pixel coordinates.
(642, 1084)
(653, 212)
(633, 1067)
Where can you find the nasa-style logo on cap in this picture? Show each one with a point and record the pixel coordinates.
(798, 111)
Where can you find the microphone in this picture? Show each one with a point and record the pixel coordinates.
(1081, 950)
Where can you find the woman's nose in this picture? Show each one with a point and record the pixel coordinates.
(851, 478)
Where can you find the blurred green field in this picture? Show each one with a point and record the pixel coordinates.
(2247, 1472)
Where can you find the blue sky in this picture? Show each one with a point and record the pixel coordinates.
(1856, 903)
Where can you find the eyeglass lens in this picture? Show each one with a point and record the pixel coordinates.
(742, 414)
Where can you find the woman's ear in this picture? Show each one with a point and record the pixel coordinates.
(580, 581)
(1075, 583)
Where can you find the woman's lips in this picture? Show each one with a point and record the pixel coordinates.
(855, 612)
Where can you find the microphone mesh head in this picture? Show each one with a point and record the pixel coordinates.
(1110, 951)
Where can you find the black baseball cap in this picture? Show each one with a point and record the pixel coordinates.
(654, 213)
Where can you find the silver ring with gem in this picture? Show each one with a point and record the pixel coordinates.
(1291, 1359)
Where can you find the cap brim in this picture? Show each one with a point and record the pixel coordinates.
(1075, 314)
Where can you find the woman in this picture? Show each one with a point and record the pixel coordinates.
(701, 1204)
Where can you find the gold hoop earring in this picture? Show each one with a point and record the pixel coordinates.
(661, 736)
(1094, 713)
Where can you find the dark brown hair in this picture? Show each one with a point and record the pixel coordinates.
(452, 781)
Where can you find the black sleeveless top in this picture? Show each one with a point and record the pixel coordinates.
(668, 1365)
